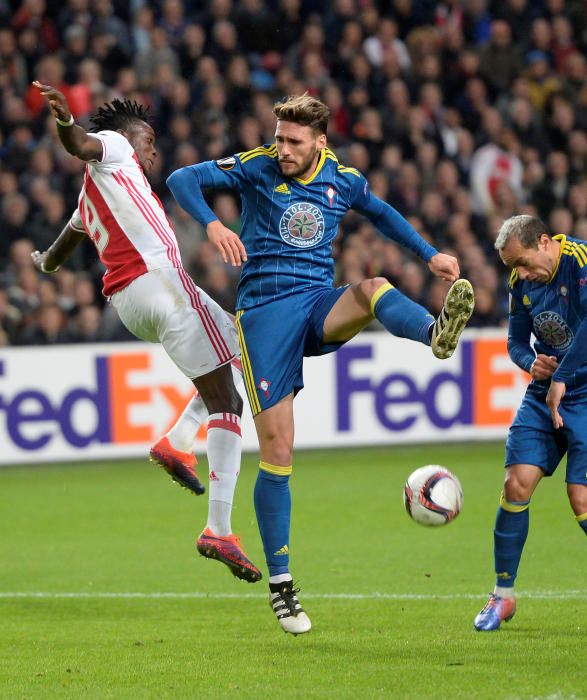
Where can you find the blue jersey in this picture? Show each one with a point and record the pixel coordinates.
(288, 224)
(555, 312)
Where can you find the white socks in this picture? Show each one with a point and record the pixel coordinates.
(224, 459)
(280, 578)
(224, 454)
(504, 592)
(182, 434)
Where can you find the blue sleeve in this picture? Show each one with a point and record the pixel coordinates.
(186, 185)
(519, 332)
(576, 355)
(388, 220)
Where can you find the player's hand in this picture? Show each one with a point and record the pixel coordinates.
(228, 244)
(543, 367)
(40, 261)
(553, 398)
(444, 266)
(57, 101)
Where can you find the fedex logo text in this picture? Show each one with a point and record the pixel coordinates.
(463, 394)
(102, 411)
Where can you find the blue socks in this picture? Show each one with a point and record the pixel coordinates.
(509, 536)
(582, 520)
(273, 508)
(401, 316)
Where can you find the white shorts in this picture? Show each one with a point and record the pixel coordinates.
(165, 306)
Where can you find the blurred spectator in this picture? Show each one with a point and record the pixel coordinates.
(541, 82)
(15, 211)
(553, 191)
(385, 42)
(48, 326)
(13, 68)
(493, 164)
(500, 58)
(85, 327)
(10, 318)
(32, 15)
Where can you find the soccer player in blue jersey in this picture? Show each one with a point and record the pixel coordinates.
(293, 196)
(548, 297)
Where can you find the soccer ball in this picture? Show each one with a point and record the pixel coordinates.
(433, 495)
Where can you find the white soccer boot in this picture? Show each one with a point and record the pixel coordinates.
(456, 311)
(286, 606)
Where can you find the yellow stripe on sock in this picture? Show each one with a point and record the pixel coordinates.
(274, 469)
(378, 294)
(512, 507)
(247, 369)
(581, 518)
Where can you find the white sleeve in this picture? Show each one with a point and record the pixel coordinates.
(116, 150)
(76, 221)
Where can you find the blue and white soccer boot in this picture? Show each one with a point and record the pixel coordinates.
(496, 611)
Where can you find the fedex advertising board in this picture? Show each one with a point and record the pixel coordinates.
(113, 400)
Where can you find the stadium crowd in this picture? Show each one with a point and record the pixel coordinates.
(461, 113)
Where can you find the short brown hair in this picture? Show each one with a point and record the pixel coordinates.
(305, 110)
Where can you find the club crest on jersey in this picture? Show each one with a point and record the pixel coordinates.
(226, 163)
(552, 329)
(302, 225)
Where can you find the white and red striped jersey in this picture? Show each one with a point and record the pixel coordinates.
(123, 216)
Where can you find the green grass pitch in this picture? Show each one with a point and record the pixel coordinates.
(130, 611)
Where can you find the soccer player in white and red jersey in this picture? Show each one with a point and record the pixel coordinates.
(158, 301)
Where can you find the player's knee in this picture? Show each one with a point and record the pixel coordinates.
(577, 498)
(370, 286)
(516, 490)
(276, 449)
(223, 398)
(367, 288)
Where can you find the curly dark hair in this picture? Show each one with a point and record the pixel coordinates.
(119, 114)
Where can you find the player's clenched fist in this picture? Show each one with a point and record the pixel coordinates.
(543, 367)
(444, 266)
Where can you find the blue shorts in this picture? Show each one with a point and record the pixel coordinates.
(274, 339)
(533, 440)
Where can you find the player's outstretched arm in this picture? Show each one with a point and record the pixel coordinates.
(75, 139)
(59, 251)
(519, 335)
(393, 225)
(186, 186)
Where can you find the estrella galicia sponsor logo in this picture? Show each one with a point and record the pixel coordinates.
(553, 330)
(226, 163)
(302, 225)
